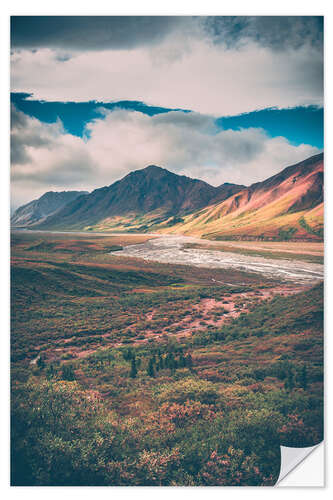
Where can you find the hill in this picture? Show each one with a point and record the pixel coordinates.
(288, 205)
(37, 210)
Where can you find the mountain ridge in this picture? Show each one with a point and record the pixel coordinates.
(37, 210)
(152, 190)
(286, 205)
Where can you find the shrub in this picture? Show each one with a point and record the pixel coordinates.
(233, 469)
(295, 432)
(68, 372)
(189, 389)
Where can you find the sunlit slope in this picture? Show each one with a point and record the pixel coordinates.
(287, 205)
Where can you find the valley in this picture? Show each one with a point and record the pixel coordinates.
(167, 332)
(132, 343)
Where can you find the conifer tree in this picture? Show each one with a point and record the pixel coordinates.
(169, 360)
(134, 371)
(68, 372)
(182, 360)
(150, 369)
(50, 371)
(128, 354)
(290, 381)
(304, 377)
(40, 362)
(189, 361)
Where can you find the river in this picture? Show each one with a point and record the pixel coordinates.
(171, 250)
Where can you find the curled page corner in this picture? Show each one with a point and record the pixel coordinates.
(291, 458)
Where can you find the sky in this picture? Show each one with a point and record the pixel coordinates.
(223, 99)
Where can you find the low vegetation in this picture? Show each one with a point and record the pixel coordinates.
(126, 372)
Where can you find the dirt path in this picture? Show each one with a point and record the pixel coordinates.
(213, 313)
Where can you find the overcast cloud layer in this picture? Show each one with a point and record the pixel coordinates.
(124, 32)
(45, 158)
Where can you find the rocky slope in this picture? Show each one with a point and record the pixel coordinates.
(38, 210)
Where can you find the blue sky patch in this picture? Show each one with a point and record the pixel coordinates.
(300, 125)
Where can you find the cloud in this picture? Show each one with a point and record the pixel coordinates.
(274, 32)
(94, 32)
(188, 143)
(201, 77)
(27, 133)
(122, 141)
(44, 157)
(126, 32)
(222, 65)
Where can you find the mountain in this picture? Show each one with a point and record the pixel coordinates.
(287, 205)
(141, 200)
(38, 210)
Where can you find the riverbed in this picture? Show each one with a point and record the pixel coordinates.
(172, 250)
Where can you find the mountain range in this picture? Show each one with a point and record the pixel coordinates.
(150, 195)
(288, 205)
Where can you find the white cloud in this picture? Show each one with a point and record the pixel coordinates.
(45, 158)
(121, 141)
(182, 72)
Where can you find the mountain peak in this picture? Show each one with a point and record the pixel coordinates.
(149, 171)
(153, 170)
(149, 194)
(153, 167)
